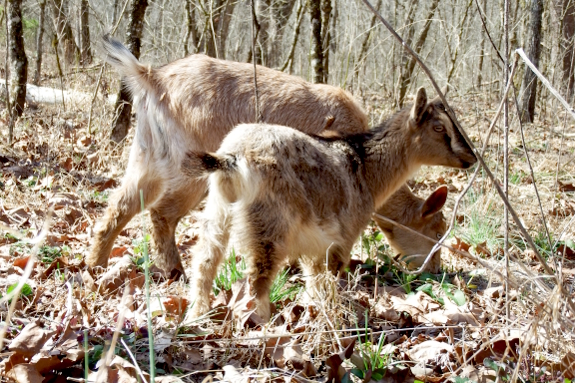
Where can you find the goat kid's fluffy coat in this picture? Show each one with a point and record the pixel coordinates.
(191, 104)
(284, 195)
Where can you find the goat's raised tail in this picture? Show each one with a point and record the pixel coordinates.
(139, 78)
(202, 164)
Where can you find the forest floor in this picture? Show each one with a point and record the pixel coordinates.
(461, 324)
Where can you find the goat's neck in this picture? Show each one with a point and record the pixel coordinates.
(388, 163)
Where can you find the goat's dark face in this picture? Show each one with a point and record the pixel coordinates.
(436, 139)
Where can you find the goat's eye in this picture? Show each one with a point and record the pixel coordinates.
(438, 235)
(439, 128)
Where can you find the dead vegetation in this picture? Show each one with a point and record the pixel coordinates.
(426, 327)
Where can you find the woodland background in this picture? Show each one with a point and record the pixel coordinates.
(496, 313)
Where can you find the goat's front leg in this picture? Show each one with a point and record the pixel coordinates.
(165, 215)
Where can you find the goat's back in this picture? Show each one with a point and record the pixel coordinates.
(312, 184)
(211, 96)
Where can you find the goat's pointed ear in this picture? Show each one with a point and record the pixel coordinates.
(434, 202)
(419, 105)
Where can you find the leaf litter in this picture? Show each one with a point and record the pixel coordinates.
(429, 328)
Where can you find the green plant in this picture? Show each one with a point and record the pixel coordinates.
(280, 291)
(404, 279)
(26, 290)
(374, 363)
(48, 254)
(229, 273)
(451, 291)
(140, 249)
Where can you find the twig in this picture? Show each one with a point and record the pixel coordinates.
(148, 308)
(531, 171)
(102, 372)
(133, 360)
(545, 82)
(255, 31)
(506, 154)
(487, 31)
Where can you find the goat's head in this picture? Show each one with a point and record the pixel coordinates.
(437, 140)
(425, 217)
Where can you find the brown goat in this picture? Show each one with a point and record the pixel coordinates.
(191, 104)
(284, 195)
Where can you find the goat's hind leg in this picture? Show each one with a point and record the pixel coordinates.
(124, 204)
(165, 215)
(207, 255)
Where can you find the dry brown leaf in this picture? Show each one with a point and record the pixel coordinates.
(430, 351)
(21, 262)
(116, 275)
(118, 251)
(568, 252)
(565, 187)
(19, 215)
(242, 305)
(103, 185)
(31, 339)
(57, 263)
(461, 245)
(67, 164)
(335, 371)
(481, 249)
(175, 305)
(25, 373)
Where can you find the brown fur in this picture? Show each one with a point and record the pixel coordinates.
(284, 195)
(191, 104)
(418, 214)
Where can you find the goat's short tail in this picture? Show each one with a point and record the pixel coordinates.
(137, 77)
(201, 164)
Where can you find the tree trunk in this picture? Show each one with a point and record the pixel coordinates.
(280, 13)
(410, 65)
(405, 78)
(567, 9)
(192, 30)
(85, 52)
(316, 45)
(64, 30)
(18, 60)
(121, 123)
(326, 8)
(39, 41)
(288, 64)
(263, 13)
(365, 43)
(529, 83)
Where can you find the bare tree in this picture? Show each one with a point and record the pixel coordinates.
(566, 12)
(121, 123)
(316, 44)
(18, 59)
(288, 64)
(192, 28)
(39, 40)
(64, 30)
(407, 70)
(529, 83)
(85, 52)
(326, 8)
